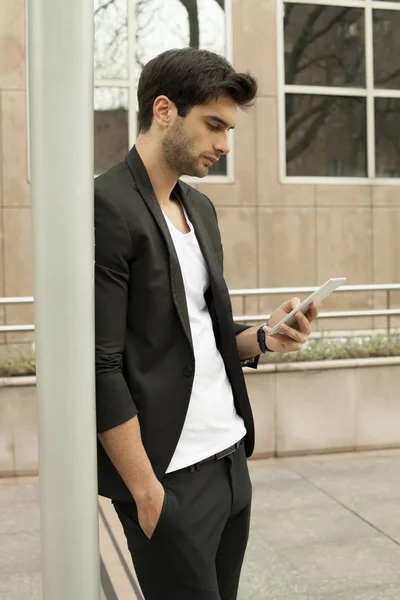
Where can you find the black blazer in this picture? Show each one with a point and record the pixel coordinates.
(144, 354)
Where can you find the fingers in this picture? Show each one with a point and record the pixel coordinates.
(312, 313)
(295, 334)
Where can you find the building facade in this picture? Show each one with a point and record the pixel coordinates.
(311, 190)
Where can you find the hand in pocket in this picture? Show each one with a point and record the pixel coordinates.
(149, 510)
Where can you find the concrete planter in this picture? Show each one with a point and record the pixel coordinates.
(299, 408)
(327, 406)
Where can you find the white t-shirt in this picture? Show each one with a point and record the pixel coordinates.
(212, 423)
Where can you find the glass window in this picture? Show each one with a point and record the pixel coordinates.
(111, 39)
(387, 49)
(111, 138)
(329, 132)
(387, 137)
(325, 136)
(324, 45)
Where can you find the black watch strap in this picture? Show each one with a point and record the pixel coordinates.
(261, 339)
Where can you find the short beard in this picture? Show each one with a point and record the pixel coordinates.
(179, 152)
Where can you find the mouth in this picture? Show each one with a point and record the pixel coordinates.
(211, 160)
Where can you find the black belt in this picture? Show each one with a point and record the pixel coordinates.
(218, 456)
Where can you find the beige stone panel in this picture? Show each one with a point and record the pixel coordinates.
(315, 411)
(18, 279)
(286, 251)
(25, 429)
(6, 433)
(12, 44)
(261, 388)
(1, 155)
(239, 238)
(20, 314)
(386, 245)
(344, 249)
(382, 301)
(2, 313)
(386, 258)
(343, 195)
(385, 195)
(378, 407)
(244, 190)
(268, 185)
(14, 149)
(254, 37)
(2, 322)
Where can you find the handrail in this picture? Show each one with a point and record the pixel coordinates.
(374, 287)
(21, 300)
(332, 315)
(379, 287)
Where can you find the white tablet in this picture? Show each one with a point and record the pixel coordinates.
(317, 296)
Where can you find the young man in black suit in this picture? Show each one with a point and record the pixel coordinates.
(173, 416)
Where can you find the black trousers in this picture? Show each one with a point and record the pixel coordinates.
(198, 546)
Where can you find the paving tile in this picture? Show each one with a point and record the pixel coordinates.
(304, 544)
(20, 586)
(268, 574)
(287, 495)
(20, 552)
(353, 481)
(311, 524)
(374, 561)
(18, 518)
(382, 592)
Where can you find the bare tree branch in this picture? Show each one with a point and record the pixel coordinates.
(103, 7)
(337, 19)
(388, 78)
(301, 43)
(308, 137)
(288, 12)
(194, 29)
(295, 123)
(315, 61)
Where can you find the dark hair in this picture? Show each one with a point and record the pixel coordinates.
(189, 77)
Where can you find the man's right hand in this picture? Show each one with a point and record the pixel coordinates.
(149, 508)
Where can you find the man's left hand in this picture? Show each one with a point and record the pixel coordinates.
(290, 339)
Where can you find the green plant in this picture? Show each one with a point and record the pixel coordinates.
(17, 363)
(21, 363)
(378, 345)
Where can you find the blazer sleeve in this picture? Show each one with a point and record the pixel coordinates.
(113, 250)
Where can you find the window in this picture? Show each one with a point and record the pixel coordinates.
(129, 33)
(339, 91)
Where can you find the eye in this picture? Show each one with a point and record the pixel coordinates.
(213, 127)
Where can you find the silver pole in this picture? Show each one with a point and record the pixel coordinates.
(61, 152)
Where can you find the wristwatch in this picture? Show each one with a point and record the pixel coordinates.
(261, 339)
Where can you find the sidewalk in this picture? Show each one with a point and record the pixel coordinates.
(326, 528)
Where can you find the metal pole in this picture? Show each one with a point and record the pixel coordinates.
(61, 152)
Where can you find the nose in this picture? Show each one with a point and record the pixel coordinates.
(222, 145)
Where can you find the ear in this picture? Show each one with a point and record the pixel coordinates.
(164, 111)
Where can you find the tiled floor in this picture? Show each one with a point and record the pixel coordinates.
(326, 528)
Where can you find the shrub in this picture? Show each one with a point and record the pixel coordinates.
(377, 345)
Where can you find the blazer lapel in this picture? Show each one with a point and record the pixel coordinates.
(219, 290)
(203, 238)
(145, 188)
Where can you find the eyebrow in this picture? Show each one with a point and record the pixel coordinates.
(221, 121)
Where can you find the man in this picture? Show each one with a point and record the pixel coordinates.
(173, 415)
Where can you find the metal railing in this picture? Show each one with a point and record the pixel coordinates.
(387, 312)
